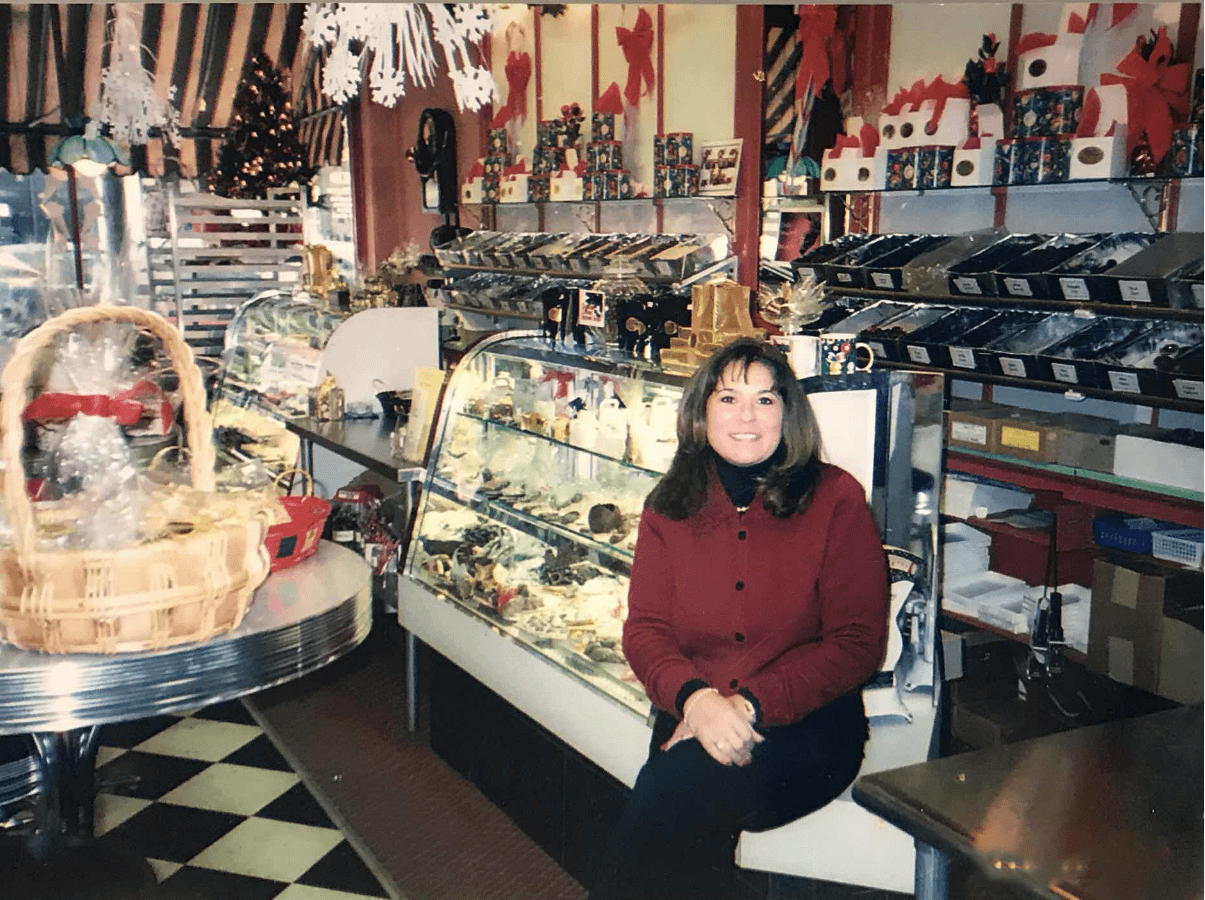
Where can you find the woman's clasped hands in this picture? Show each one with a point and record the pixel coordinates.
(722, 725)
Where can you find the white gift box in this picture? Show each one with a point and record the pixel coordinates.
(840, 173)
(953, 127)
(1053, 65)
(564, 186)
(889, 130)
(470, 191)
(514, 188)
(974, 167)
(991, 120)
(870, 172)
(1099, 157)
(912, 128)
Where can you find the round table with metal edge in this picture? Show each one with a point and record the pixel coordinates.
(301, 619)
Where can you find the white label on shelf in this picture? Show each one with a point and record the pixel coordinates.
(1075, 289)
(1198, 291)
(343, 537)
(1124, 381)
(1135, 291)
(877, 349)
(1188, 390)
(967, 285)
(962, 357)
(919, 355)
(1064, 372)
(845, 276)
(1012, 366)
(807, 272)
(1018, 287)
(882, 280)
(969, 433)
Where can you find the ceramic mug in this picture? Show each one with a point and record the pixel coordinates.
(839, 354)
(802, 351)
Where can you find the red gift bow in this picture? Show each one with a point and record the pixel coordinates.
(941, 91)
(610, 101)
(124, 408)
(518, 72)
(1155, 89)
(637, 46)
(822, 51)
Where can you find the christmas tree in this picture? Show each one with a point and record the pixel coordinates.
(261, 150)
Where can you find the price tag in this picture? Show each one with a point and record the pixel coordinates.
(807, 272)
(962, 357)
(1188, 390)
(845, 277)
(1065, 373)
(1135, 291)
(1013, 367)
(967, 285)
(877, 349)
(969, 433)
(1074, 289)
(1018, 287)
(1021, 438)
(919, 355)
(1124, 381)
(882, 280)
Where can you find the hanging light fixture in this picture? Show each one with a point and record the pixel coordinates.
(90, 153)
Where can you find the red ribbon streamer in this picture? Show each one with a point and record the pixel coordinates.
(905, 97)
(845, 142)
(821, 51)
(1035, 40)
(637, 46)
(1155, 90)
(519, 168)
(940, 91)
(610, 101)
(518, 73)
(869, 137)
(124, 408)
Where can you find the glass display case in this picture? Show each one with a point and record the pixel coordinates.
(542, 459)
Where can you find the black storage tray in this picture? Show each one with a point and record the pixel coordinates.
(812, 262)
(1025, 275)
(1185, 289)
(886, 273)
(1142, 278)
(1135, 367)
(865, 320)
(849, 269)
(930, 346)
(1184, 375)
(1072, 361)
(973, 276)
(887, 338)
(1015, 355)
(967, 350)
(1079, 278)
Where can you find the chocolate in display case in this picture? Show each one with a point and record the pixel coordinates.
(975, 275)
(1025, 275)
(849, 269)
(542, 459)
(1185, 287)
(887, 338)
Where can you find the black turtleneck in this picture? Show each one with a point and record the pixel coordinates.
(741, 482)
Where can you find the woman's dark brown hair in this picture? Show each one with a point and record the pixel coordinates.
(789, 483)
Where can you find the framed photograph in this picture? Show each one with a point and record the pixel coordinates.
(721, 163)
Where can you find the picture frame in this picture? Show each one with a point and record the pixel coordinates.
(719, 168)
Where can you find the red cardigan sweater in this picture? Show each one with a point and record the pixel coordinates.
(794, 610)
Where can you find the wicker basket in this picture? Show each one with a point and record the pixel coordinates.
(175, 590)
(290, 542)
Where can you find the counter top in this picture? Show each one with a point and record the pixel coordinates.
(363, 441)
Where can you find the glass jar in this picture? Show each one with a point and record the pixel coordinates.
(599, 306)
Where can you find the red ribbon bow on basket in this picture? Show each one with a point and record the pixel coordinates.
(637, 46)
(1155, 89)
(124, 408)
(518, 73)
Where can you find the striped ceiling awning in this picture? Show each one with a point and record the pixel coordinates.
(197, 48)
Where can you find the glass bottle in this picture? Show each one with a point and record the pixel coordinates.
(599, 305)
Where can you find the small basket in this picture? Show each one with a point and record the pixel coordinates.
(290, 542)
(1181, 545)
(178, 589)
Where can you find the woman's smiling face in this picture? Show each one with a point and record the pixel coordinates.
(744, 415)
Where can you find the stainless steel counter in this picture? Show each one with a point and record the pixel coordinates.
(1107, 812)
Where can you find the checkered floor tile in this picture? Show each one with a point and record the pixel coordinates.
(218, 812)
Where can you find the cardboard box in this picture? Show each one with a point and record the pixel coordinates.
(1099, 157)
(1087, 442)
(1056, 64)
(1024, 434)
(973, 166)
(972, 424)
(1148, 453)
(1145, 628)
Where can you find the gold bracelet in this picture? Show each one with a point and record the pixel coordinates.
(690, 700)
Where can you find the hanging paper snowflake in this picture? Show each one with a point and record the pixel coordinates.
(126, 99)
(401, 40)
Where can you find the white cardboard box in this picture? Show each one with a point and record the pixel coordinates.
(1146, 458)
(975, 166)
(1050, 66)
(1099, 157)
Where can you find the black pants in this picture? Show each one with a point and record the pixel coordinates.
(678, 832)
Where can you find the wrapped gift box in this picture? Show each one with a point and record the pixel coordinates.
(495, 141)
(539, 188)
(1056, 64)
(661, 181)
(594, 186)
(618, 185)
(602, 126)
(901, 168)
(1041, 160)
(1184, 159)
(603, 156)
(546, 132)
(973, 165)
(1047, 111)
(683, 180)
(934, 166)
(679, 148)
(547, 160)
(490, 189)
(472, 191)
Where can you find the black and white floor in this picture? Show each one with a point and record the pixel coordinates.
(219, 813)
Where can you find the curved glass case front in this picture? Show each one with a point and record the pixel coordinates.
(543, 457)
